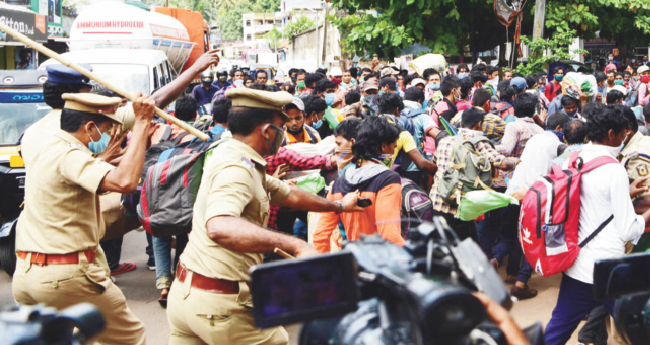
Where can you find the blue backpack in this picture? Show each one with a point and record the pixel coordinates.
(406, 122)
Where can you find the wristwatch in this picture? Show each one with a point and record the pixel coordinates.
(340, 207)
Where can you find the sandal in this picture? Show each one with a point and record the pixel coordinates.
(125, 267)
(163, 298)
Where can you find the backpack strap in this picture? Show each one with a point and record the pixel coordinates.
(167, 134)
(593, 164)
(178, 139)
(596, 232)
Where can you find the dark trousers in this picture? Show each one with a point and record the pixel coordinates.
(595, 330)
(113, 250)
(463, 229)
(575, 300)
(501, 227)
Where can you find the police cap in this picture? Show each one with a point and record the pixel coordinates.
(94, 104)
(58, 73)
(245, 97)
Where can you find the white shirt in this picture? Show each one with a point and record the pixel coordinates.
(603, 191)
(536, 160)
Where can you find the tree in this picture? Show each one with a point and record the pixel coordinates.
(297, 25)
(447, 26)
(558, 45)
(231, 22)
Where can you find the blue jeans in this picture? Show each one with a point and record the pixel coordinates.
(576, 299)
(162, 248)
(502, 224)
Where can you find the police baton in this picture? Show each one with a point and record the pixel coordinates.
(42, 49)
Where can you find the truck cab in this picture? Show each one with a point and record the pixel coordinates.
(132, 69)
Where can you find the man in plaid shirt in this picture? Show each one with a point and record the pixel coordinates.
(502, 223)
(472, 121)
(290, 160)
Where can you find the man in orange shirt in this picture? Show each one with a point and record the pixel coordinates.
(297, 130)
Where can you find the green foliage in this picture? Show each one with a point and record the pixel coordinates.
(297, 25)
(558, 45)
(230, 19)
(625, 21)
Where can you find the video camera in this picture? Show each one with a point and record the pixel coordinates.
(626, 280)
(375, 292)
(38, 324)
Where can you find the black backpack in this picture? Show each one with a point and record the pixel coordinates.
(152, 156)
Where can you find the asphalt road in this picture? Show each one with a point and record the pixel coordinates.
(141, 294)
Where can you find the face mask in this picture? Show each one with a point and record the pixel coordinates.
(385, 159)
(207, 81)
(380, 93)
(345, 158)
(329, 98)
(223, 79)
(611, 58)
(97, 147)
(293, 80)
(277, 142)
(559, 77)
(494, 82)
(542, 89)
(239, 83)
(294, 132)
(434, 87)
(317, 125)
(336, 81)
(301, 84)
(619, 82)
(645, 79)
(600, 89)
(463, 75)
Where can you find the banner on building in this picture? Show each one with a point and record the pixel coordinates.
(30, 24)
(53, 10)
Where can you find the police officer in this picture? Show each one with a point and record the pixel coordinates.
(59, 229)
(209, 303)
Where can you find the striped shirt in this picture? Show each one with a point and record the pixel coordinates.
(513, 143)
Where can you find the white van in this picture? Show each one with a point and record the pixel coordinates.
(132, 69)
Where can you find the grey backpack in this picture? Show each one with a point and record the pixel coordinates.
(468, 171)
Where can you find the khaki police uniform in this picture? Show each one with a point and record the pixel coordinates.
(234, 183)
(58, 232)
(635, 157)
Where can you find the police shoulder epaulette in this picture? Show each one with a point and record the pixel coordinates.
(247, 162)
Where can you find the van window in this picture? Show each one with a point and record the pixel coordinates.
(156, 84)
(161, 74)
(166, 72)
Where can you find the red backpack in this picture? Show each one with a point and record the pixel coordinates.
(550, 215)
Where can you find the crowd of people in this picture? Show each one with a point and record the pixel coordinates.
(366, 132)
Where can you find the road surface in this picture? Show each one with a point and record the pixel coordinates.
(142, 297)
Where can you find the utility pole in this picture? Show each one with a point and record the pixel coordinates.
(538, 23)
(317, 43)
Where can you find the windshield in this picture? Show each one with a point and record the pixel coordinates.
(133, 78)
(15, 118)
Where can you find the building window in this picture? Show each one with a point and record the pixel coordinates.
(248, 23)
(248, 37)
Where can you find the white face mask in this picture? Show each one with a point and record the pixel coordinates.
(494, 82)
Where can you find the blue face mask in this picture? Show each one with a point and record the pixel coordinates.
(463, 75)
(560, 135)
(329, 98)
(318, 124)
(97, 147)
(542, 89)
(380, 93)
(434, 87)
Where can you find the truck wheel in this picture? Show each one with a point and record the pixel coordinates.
(8, 253)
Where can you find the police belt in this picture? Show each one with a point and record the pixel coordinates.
(213, 285)
(42, 259)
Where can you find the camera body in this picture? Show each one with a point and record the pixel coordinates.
(626, 281)
(375, 292)
(39, 324)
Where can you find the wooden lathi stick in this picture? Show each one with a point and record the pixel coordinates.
(42, 49)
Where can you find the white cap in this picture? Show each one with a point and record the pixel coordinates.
(336, 72)
(642, 69)
(298, 103)
(417, 81)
